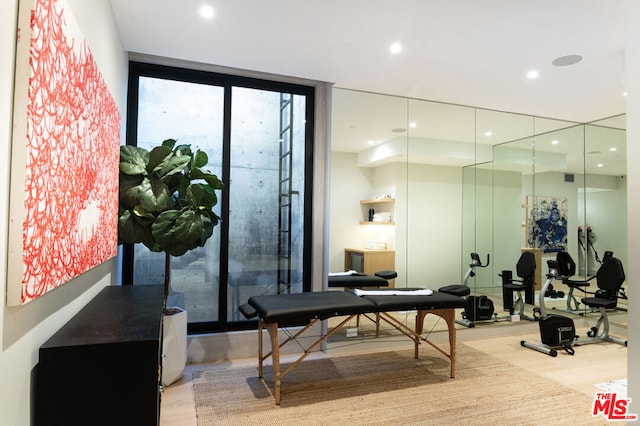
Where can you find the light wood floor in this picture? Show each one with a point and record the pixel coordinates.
(592, 364)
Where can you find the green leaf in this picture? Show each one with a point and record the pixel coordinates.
(131, 231)
(133, 160)
(202, 195)
(183, 150)
(130, 190)
(213, 181)
(210, 178)
(200, 159)
(158, 156)
(166, 199)
(154, 196)
(142, 217)
(169, 143)
(173, 165)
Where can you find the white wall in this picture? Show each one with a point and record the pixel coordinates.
(607, 214)
(348, 185)
(434, 225)
(24, 329)
(632, 56)
(428, 255)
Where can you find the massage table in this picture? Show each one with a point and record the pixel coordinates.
(307, 309)
(360, 280)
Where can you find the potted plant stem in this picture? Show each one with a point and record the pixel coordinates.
(166, 203)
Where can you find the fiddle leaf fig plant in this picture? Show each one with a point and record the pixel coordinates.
(166, 200)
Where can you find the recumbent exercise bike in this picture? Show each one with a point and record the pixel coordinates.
(478, 308)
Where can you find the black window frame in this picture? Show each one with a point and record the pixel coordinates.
(227, 81)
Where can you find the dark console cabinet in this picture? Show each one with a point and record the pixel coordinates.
(103, 366)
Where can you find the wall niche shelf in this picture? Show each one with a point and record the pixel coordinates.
(384, 205)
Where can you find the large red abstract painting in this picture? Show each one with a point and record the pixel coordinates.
(65, 156)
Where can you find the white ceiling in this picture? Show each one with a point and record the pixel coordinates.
(465, 52)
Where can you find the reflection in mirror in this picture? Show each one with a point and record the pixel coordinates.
(512, 174)
(368, 175)
(477, 224)
(498, 195)
(604, 195)
(441, 141)
(559, 179)
(453, 180)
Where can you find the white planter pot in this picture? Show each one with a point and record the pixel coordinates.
(174, 346)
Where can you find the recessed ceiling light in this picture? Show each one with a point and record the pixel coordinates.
(413, 125)
(533, 74)
(395, 48)
(554, 142)
(564, 61)
(488, 133)
(625, 94)
(206, 11)
(600, 165)
(613, 149)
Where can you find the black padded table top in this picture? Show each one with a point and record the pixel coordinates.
(357, 280)
(399, 302)
(302, 307)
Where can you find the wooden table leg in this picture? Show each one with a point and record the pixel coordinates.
(275, 357)
(260, 350)
(449, 315)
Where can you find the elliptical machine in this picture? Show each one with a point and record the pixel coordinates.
(556, 331)
(478, 308)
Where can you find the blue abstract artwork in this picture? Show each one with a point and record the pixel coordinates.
(547, 223)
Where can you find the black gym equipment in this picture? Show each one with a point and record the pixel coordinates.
(525, 269)
(567, 264)
(478, 308)
(556, 331)
(610, 277)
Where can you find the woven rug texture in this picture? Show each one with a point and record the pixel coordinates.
(390, 387)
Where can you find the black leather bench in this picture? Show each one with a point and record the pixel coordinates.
(360, 280)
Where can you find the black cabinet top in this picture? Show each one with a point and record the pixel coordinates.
(116, 314)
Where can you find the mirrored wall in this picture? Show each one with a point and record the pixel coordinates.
(443, 181)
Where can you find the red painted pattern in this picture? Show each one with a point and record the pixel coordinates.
(73, 138)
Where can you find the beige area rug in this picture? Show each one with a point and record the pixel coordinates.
(390, 387)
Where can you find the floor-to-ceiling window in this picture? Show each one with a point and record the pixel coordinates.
(258, 137)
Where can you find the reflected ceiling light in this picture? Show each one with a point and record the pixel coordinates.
(395, 48)
(488, 133)
(566, 60)
(600, 165)
(533, 74)
(613, 149)
(625, 94)
(206, 11)
(413, 125)
(554, 142)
